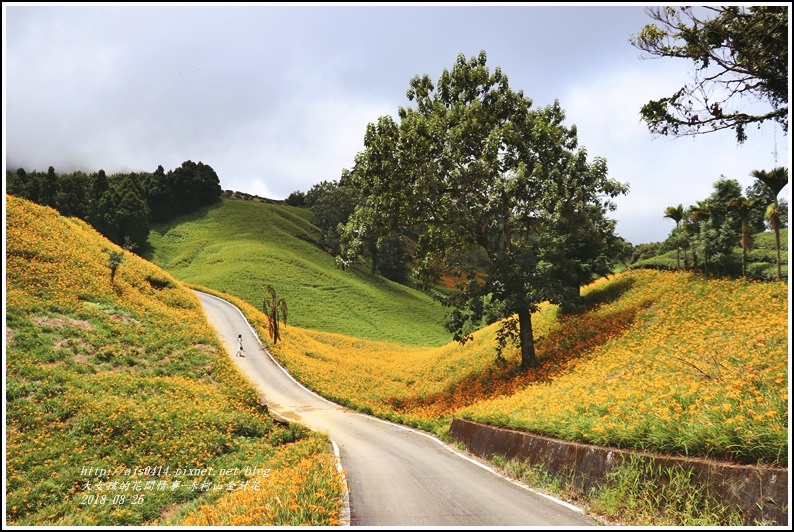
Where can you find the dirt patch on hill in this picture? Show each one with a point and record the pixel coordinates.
(126, 320)
(60, 323)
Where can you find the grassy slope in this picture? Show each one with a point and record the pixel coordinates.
(663, 361)
(239, 247)
(114, 376)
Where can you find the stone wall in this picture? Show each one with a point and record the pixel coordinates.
(761, 493)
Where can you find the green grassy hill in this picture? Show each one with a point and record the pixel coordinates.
(239, 247)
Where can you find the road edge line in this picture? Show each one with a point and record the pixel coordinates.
(405, 427)
(344, 513)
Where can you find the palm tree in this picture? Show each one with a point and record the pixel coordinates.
(274, 308)
(697, 214)
(775, 180)
(743, 208)
(676, 214)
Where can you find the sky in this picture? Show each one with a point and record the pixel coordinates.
(276, 97)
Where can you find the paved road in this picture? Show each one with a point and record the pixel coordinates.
(396, 476)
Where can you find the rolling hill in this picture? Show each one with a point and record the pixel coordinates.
(239, 247)
(670, 362)
(664, 361)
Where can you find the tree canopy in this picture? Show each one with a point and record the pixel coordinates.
(474, 171)
(120, 206)
(741, 60)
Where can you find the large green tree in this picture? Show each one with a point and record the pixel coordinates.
(20, 184)
(106, 215)
(332, 204)
(133, 216)
(724, 227)
(741, 59)
(73, 196)
(193, 185)
(473, 170)
(48, 188)
(159, 195)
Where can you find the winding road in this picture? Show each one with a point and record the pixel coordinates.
(396, 476)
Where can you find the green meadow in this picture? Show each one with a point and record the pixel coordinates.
(239, 247)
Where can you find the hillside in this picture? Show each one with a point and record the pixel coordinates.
(239, 247)
(663, 361)
(122, 408)
(127, 372)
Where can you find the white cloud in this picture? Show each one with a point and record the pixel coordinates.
(277, 99)
(662, 171)
(304, 144)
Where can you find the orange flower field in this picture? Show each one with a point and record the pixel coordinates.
(104, 376)
(123, 408)
(663, 361)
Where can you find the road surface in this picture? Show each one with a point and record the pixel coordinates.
(396, 476)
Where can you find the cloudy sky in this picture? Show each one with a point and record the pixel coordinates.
(276, 98)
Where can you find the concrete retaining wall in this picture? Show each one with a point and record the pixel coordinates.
(761, 493)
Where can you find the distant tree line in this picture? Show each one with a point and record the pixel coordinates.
(715, 234)
(120, 206)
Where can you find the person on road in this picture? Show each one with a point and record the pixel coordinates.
(240, 346)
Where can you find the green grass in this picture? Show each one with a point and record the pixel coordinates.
(637, 493)
(240, 247)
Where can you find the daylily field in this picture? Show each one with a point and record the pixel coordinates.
(662, 361)
(105, 377)
(122, 408)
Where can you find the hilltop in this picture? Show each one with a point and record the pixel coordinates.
(239, 247)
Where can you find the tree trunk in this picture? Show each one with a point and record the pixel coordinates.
(777, 245)
(745, 247)
(528, 358)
